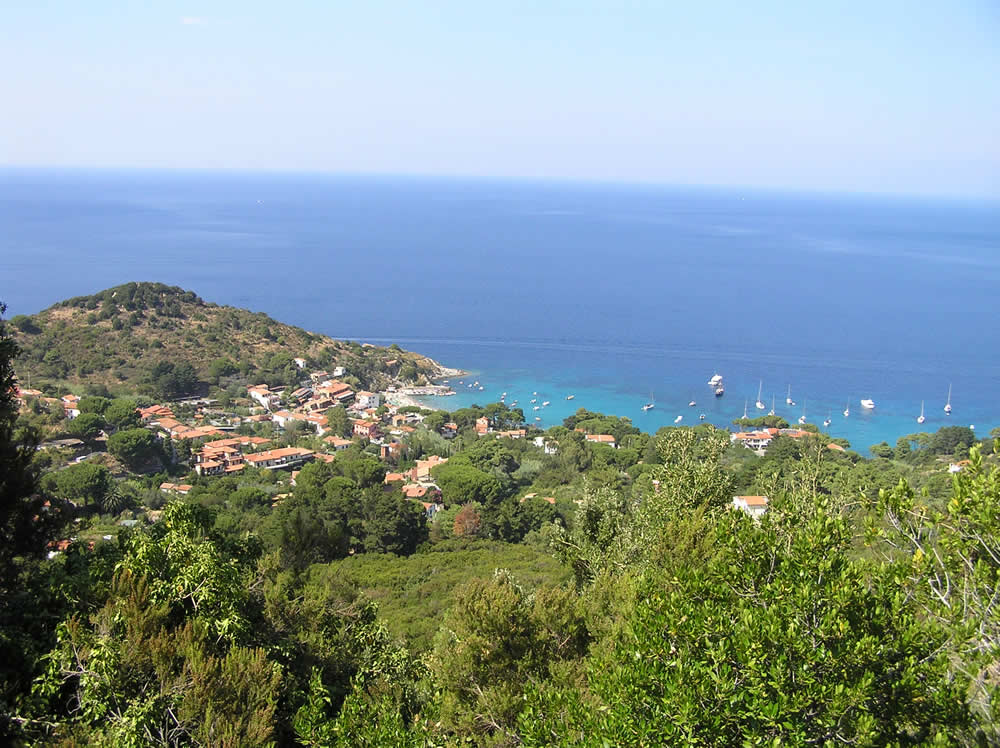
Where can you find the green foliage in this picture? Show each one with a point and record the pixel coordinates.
(462, 484)
(85, 483)
(86, 425)
(133, 446)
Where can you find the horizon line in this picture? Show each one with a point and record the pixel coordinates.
(538, 179)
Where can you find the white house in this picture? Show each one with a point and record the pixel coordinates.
(365, 400)
(339, 371)
(755, 506)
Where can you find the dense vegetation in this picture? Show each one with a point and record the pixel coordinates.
(581, 595)
(167, 342)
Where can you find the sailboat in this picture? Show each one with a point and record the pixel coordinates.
(745, 416)
(788, 400)
(771, 411)
(847, 408)
(760, 403)
(920, 418)
(802, 418)
(947, 405)
(651, 404)
(828, 420)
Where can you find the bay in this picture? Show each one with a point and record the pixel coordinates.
(606, 292)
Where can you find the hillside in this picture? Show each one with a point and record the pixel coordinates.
(166, 341)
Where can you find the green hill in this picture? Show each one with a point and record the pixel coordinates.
(166, 341)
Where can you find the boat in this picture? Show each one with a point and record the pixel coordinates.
(720, 391)
(828, 420)
(545, 403)
(771, 411)
(847, 408)
(745, 417)
(570, 397)
(701, 417)
(476, 383)
(651, 404)
(920, 418)
(678, 419)
(535, 408)
(533, 400)
(538, 418)
(692, 404)
(868, 404)
(788, 400)
(481, 388)
(534, 393)
(715, 381)
(947, 405)
(802, 418)
(760, 403)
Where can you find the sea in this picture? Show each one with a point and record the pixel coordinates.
(614, 294)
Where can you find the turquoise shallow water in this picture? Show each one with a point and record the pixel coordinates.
(608, 292)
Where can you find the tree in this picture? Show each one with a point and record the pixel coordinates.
(122, 413)
(882, 449)
(93, 404)
(86, 425)
(133, 446)
(85, 483)
(461, 484)
(468, 521)
(338, 422)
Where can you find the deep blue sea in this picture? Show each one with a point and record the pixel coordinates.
(607, 292)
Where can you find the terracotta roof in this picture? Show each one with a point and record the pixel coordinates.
(753, 500)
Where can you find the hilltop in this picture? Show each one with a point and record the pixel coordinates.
(167, 341)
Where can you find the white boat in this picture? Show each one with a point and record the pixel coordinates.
(651, 404)
(678, 419)
(692, 404)
(720, 391)
(947, 405)
(802, 418)
(533, 400)
(828, 420)
(760, 403)
(745, 417)
(771, 411)
(538, 418)
(868, 404)
(476, 383)
(920, 418)
(570, 397)
(535, 408)
(481, 388)
(534, 393)
(847, 408)
(545, 403)
(701, 417)
(715, 381)
(788, 400)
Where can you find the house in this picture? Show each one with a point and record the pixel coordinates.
(155, 412)
(366, 399)
(300, 362)
(275, 459)
(550, 448)
(607, 439)
(755, 506)
(758, 441)
(365, 429)
(449, 430)
(395, 478)
(513, 434)
(262, 394)
(337, 442)
(391, 450)
(835, 447)
(549, 499)
(339, 371)
(431, 508)
(482, 426)
(414, 491)
(181, 488)
(422, 472)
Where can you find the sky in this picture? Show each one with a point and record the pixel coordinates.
(875, 97)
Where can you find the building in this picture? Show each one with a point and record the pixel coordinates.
(276, 459)
(482, 426)
(513, 434)
(337, 443)
(449, 430)
(755, 506)
(181, 488)
(262, 394)
(758, 441)
(365, 429)
(365, 399)
(422, 472)
(606, 439)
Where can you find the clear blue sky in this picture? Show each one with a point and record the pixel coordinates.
(888, 96)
